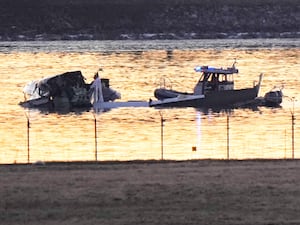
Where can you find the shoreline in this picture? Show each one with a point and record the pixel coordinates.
(150, 161)
(144, 37)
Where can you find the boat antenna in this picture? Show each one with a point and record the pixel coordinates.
(235, 62)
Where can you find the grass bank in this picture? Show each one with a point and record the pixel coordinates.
(188, 192)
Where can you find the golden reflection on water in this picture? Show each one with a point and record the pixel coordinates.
(135, 133)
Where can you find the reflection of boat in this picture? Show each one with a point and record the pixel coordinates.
(215, 88)
(64, 91)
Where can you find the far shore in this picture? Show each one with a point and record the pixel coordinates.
(35, 20)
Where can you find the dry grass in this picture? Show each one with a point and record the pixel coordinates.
(192, 192)
(171, 2)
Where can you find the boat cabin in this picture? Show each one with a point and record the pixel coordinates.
(214, 79)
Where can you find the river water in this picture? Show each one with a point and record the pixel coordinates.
(134, 69)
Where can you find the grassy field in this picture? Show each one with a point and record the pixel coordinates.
(189, 192)
(170, 2)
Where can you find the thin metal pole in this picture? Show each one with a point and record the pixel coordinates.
(96, 144)
(293, 136)
(28, 139)
(227, 136)
(285, 144)
(293, 128)
(162, 138)
(162, 134)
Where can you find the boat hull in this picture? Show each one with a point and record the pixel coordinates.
(228, 98)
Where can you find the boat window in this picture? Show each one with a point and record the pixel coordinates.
(210, 77)
(215, 78)
(202, 77)
(226, 77)
(230, 77)
(223, 78)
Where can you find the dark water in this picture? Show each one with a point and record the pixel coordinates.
(134, 69)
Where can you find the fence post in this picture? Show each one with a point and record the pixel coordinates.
(292, 99)
(96, 143)
(293, 133)
(28, 138)
(227, 136)
(162, 134)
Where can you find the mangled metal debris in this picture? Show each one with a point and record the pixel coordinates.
(65, 91)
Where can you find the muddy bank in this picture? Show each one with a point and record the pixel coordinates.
(143, 19)
(190, 192)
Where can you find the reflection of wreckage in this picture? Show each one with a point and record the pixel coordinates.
(67, 90)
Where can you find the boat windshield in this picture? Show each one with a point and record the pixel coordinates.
(226, 78)
(216, 77)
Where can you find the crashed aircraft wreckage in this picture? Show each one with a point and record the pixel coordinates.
(66, 91)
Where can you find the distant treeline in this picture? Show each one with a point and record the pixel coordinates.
(118, 19)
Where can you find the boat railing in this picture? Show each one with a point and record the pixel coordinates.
(164, 82)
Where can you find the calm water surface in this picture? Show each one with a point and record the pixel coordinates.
(134, 68)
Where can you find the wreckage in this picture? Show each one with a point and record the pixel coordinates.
(66, 91)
